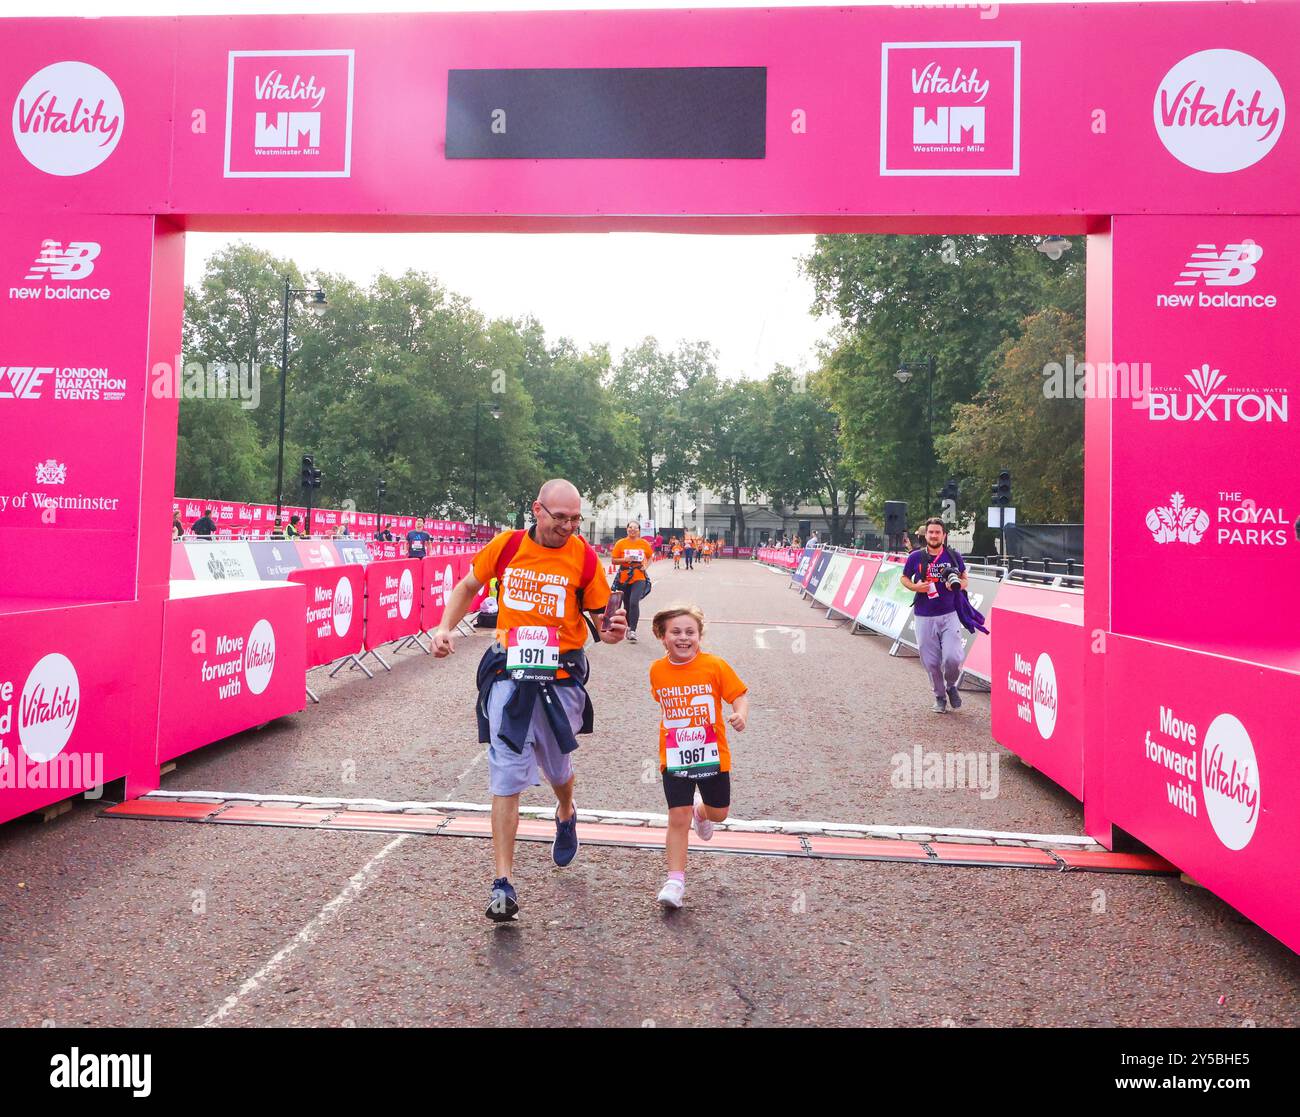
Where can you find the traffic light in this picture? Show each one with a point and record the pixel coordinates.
(311, 476)
(1002, 490)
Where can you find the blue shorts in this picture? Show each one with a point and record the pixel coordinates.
(510, 772)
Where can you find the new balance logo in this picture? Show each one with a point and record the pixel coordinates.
(22, 382)
(1232, 267)
(72, 261)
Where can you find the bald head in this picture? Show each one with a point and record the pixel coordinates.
(558, 490)
(557, 511)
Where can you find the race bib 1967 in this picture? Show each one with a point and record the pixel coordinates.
(692, 752)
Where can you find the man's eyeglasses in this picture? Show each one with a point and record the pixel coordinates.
(576, 521)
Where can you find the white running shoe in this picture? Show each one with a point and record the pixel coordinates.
(702, 826)
(671, 894)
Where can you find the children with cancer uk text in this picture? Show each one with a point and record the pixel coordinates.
(690, 687)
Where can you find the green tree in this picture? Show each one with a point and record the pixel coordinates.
(905, 298)
(1013, 424)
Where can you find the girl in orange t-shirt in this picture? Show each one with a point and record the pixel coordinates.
(690, 687)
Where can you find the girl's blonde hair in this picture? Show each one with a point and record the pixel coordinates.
(660, 624)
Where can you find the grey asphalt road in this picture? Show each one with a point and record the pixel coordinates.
(111, 922)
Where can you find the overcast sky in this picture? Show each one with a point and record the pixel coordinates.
(745, 295)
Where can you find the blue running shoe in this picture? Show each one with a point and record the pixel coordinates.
(565, 847)
(504, 905)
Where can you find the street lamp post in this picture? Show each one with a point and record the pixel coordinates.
(903, 375)
(317, 308)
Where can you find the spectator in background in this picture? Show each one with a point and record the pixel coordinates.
(204, 527)
(178, 528)
(384, 534)
(418, 540)
(294, 531)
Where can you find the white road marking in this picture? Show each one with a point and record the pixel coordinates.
(354, 888)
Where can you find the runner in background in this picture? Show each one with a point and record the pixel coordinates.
(689, 552)
(532, 697)
(690, 687)
(632, 555)
(677, 554)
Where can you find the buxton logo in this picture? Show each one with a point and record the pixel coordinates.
(1177, 522)
(47, 711)
(1044, 696)
(259, 656)
(68, 118)
(289, 114)
(950, 108)
(1230, 781)
(342, 607)
(1207, 404)
(1219, 111)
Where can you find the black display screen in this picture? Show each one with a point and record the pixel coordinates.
(689, 112)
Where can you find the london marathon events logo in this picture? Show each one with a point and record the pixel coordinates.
(950, 109)
(1219, 111)
(68, 118)
(289, 114)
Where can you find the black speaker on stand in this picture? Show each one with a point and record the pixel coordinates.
(895, 522)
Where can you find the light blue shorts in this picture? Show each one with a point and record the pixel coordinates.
(510, 772)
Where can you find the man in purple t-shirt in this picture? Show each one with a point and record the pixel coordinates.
(938, 632)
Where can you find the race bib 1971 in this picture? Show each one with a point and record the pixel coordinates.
(533, 653)
(692, 752)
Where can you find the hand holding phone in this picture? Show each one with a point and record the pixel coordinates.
(615, 604)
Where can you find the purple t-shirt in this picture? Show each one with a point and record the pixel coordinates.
(917, 568)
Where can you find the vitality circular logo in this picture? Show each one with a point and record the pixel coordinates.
(342, 607)
(1044, 693)
(1230, 781)
(406, 594)
(68, 118)
(1219, 111)
(259, 656)
(47, 711)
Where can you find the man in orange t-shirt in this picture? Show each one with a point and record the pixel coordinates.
(532, 697)
(631, 556)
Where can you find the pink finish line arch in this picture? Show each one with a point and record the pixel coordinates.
(1170, 149)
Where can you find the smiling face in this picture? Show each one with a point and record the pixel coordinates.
(934, 536)
(681, 638)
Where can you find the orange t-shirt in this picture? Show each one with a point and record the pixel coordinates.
(540, 587)
(624, 546)
(691, 694)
